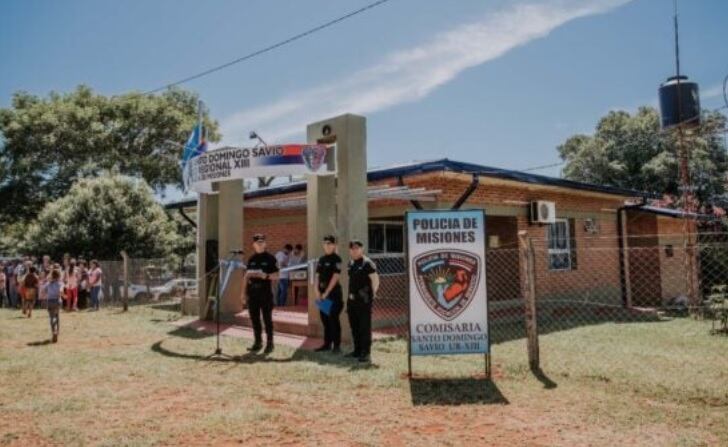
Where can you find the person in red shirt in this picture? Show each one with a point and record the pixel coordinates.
(30, 286)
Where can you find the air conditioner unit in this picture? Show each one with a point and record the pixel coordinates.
(543, 212)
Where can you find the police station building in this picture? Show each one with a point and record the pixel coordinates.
(586, 217)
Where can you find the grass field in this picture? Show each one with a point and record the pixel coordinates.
(136, 379)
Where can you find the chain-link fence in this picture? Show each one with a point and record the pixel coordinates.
(651, 277)
(586, 283)
(390, 311)
(145, 281)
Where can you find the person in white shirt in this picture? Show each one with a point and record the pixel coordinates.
(95, 280)
(298, 256)
(283, 258)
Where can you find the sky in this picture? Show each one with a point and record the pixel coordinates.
(496, 82)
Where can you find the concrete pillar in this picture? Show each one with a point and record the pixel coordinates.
(320, 219)
(350, 189)
(207, 206)
(230, 236)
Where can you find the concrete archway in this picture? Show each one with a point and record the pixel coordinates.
(335, 205)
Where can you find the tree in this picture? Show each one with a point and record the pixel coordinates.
(631, 151)
(49, 143)
(101, 216)
(186, 243)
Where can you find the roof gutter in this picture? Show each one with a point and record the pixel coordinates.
(467, 193)
(186, 217)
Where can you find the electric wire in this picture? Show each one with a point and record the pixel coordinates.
(271, 47)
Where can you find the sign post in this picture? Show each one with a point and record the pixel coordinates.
(448, 307)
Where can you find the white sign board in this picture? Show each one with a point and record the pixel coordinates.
(447, 287)
(232, 163)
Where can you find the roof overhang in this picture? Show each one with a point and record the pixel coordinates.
(374, 193)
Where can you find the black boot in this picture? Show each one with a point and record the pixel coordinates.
(268, 347)
(256, 346)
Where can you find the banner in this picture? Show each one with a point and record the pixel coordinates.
(233, 163)
(447, 287)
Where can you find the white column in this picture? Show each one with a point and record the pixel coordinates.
(230, 235)
(350, 209)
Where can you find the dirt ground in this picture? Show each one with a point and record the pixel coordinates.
(136, 379)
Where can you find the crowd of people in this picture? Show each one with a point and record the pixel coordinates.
(73, 284)
(28, 284)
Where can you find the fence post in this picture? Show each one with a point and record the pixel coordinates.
(125, 297)
(529, 294)
(624, 254)
(691, 276)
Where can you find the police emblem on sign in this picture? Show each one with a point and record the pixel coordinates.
(313, 157)
(447, 280)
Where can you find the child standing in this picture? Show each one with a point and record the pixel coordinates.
(53, 296)
(30, 286)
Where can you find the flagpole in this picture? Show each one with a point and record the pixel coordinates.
(199, 118)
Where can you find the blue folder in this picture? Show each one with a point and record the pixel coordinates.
(324, 306)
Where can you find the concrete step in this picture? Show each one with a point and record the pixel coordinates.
(286, 321)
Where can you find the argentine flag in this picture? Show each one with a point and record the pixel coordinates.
(195, 146)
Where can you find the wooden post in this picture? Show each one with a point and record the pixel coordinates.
(125, 258)
(626, 263)
(529, 295)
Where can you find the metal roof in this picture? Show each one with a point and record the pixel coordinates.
(446, 165)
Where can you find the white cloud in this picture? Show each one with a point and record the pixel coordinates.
(713, 92)
(409, 75)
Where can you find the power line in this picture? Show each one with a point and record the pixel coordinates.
(272, 47)
(538, 168)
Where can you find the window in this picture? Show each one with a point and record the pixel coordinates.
(559, 245)
(386, 237)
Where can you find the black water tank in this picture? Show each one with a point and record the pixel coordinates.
(689, 104)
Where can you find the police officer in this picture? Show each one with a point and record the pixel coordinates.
(328, 288)
(363, 285)
(262, 269)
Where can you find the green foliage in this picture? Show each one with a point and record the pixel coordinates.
(186, 243)
(101, 216)
(631, 151)
(49, 143)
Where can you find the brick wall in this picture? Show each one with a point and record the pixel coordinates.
(506, 203)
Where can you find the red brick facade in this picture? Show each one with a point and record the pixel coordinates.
(595, 254)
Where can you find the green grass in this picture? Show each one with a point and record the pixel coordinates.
(135, 379)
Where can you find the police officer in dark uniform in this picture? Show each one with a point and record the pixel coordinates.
(262, 269)
(328, 288)
(363, 285)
